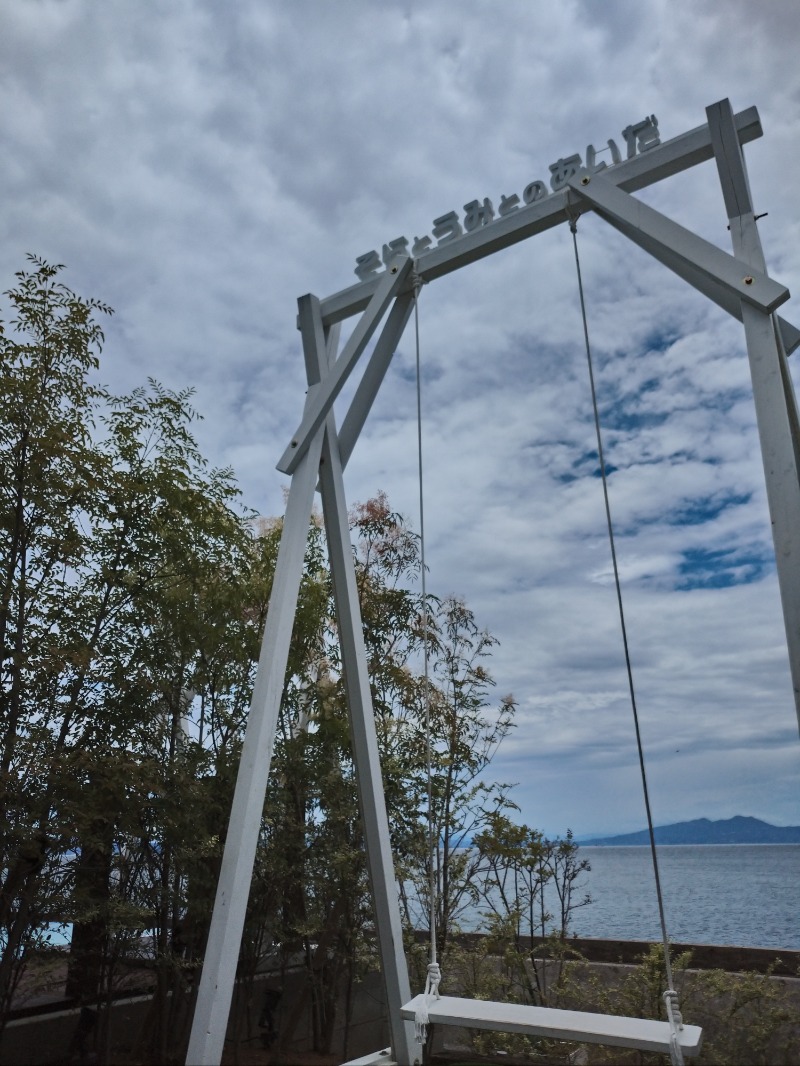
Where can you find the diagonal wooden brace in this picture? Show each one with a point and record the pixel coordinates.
(676, 247)
(390, 285)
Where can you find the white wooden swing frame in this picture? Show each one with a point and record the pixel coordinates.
(317, 456)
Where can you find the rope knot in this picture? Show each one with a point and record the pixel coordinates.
(421, 1016)
(434, 977)
(675, 1025)
(673, 1010)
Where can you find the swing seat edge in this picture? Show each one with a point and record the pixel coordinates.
(376, 1058)
(580, 1026)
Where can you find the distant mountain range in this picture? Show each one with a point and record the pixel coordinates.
(737, 830)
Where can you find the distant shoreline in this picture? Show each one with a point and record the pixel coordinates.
(740, 829)
(698, 844)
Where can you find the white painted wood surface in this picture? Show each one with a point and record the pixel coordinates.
(377, 1058)
(580, 1026)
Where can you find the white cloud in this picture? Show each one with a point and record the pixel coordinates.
(199, 166)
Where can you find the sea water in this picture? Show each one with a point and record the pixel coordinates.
(746, 895)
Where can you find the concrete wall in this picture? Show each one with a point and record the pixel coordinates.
(704, 956)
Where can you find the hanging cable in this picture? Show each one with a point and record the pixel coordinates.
(670, 996)
(434, 974)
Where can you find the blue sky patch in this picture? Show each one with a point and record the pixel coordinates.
(696, 512)
(709, 568)
(625, 420)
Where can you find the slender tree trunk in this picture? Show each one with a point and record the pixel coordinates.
(29, 866)
(89, 947)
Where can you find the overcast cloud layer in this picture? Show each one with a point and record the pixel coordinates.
(200, 165)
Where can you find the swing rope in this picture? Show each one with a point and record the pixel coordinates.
(434, 976)
(670, 996)
(431, 995)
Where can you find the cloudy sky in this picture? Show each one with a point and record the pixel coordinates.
(200, 165)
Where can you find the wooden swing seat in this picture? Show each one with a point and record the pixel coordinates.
(580, 1026)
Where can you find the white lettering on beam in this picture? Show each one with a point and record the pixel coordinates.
(639, 137)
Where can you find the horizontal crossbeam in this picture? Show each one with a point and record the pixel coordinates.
(671, 157)
(580, 1026)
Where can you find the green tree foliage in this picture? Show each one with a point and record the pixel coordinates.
(117, 546)
(48, 476)
(465, 732)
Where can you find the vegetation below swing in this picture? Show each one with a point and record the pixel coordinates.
(746, 1017)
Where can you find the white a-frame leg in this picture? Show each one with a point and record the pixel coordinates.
(740, 284)
(365, 747)
(222, 951)
(773, 391)
(315, 453)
